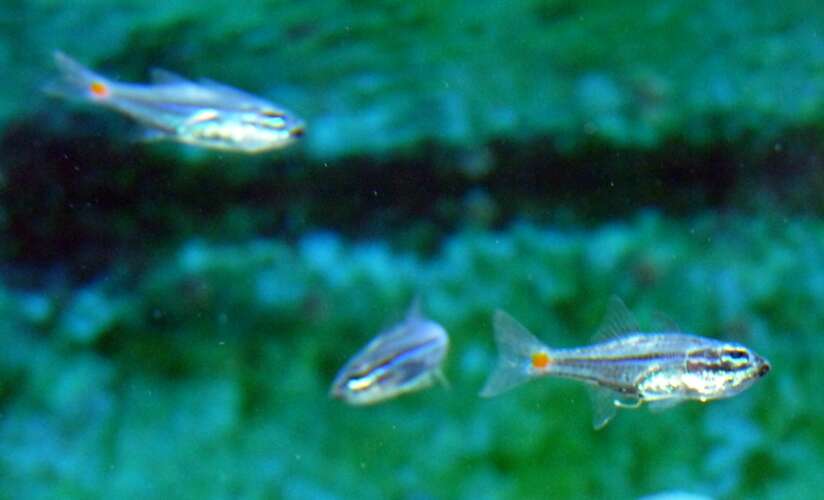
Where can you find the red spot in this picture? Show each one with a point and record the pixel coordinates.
(540, 360)
(99, 89)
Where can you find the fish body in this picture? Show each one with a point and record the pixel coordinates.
(405, 358)
(628, 367)
(205, 113)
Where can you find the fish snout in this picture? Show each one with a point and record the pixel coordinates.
(297, 131)
(763, 366)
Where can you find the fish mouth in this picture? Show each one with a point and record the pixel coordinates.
(764, 367)
(297, 131)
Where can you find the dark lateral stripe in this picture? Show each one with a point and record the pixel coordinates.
(625, 389)
(393, 357)
(621, 359)
(714, 366)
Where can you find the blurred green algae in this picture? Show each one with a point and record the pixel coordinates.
(376, 77)
(172, 319)
(215, 367)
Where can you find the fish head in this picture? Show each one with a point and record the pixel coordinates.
(276, 127)
(249, 130)
(404, 359)
(762, 366)
(727, 368)
(737, 358)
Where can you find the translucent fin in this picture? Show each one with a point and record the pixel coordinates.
(76, 80)
(152, 135)
(627, 403)
(603, 406)
(618, 321)
(664, 324)
(440, 377)
(663, 404)
(414, 311)
(235, 94)
(225, 89)
(165, 77)
(516, 345)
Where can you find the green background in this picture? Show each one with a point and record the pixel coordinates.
(172, 318)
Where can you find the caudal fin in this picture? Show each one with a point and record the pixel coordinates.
(77, 81)
(520, 356)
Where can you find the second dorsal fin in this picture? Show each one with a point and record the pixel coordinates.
(664, 324)
(166, 77)
(414, 312)
(618, 321)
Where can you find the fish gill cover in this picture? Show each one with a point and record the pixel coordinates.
(172, 318)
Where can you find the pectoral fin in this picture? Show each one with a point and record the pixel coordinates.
(663, 404)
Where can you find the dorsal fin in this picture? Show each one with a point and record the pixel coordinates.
(414, 312)
(204, 115)
(161, 76)
(440, 377)
(618, 321)
(664, 324)
(228, 91)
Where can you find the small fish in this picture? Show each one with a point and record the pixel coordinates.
(628, 367)
(205, 113)
(404, 358)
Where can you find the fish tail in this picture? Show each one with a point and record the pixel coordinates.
(521, 356)
(78, 81)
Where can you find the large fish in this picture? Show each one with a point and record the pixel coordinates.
(205, 113)
(407, 357)
(628, 367)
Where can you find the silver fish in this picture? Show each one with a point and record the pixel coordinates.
(628, 368)
(205, 113)
(407, 357)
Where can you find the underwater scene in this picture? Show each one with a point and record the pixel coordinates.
(411, 250)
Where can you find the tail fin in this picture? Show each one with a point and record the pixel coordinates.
(517, 350)
(77, 81)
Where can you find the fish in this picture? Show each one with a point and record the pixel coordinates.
(626, 367)
(201, 113)
(406, 357)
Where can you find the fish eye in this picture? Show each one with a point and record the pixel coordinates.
(738, 354)
(275, 121)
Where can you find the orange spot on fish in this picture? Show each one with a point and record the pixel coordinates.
(540, 360)
(99, 89)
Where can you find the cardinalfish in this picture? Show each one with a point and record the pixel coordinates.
(628, 367)
(204, 113)
(405, 358)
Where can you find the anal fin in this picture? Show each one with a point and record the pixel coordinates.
(605, 404)
(603, 407)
